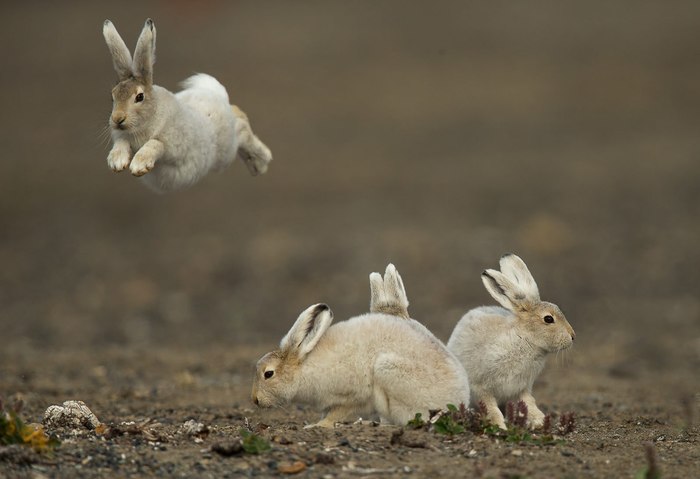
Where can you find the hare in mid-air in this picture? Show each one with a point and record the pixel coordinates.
(371, 364)
(173, 139)
(504, 348)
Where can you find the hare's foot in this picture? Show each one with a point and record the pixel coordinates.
(120, 156)
(145, 159)
(255, 161)
(535, 417)
(493, 414)
(251, 151)
(333, 416)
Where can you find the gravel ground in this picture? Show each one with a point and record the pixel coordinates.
(435, 137)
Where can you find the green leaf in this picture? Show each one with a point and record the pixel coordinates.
(252, 443)
(417, 422)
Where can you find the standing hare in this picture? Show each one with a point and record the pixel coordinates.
(370, 364)
(504, 348)
(175, 138)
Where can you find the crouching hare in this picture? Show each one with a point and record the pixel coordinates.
(370, 364)
(504, 348)
(175, 138)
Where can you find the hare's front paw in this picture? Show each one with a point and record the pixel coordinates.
(119, 158)
(142, 164)
(536, 419)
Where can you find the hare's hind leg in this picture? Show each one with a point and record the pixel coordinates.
(251, 150)
(396, 389)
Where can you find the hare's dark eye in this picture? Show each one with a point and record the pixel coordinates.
(269, 374)
(139, 97)
(548, 319)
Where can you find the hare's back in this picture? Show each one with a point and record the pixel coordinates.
(208, 100)
(205, 95)
(478, 329)
(374, 334)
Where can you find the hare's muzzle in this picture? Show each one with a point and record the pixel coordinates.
(118, 121)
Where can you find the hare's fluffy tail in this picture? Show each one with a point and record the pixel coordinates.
(206, 82)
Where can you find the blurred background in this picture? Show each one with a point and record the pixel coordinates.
(435, 135)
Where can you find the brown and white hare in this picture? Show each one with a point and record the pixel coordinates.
(504, 349)
(173, 139)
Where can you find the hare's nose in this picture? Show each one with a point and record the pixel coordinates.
(255, 400)
(573, 335)
(119, 119)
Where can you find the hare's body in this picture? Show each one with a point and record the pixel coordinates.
(501, 364)
(197, 128)
(503, 349)
(175, 138)
(369, 364)
(385, 376)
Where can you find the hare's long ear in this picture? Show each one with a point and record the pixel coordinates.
(502, 289)
(307, 330)
(145, 53)
(121, 57)
(388, 295)
(516, 270)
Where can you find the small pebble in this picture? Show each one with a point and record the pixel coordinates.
(291, 467)
(70, 414)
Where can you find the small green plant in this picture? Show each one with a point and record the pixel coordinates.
(252, 443)
(417, 422)
(448, 422)
(458, 420)
(14, 431)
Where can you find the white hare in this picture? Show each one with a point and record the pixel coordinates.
(504, 348)
(369, 364)
(175, 138)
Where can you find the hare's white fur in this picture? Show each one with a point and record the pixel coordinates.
(175, 138)
(388, 294)
(504, 348)
(369, 364)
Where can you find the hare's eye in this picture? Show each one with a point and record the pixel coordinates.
(548, 319)
(139, 97)
(269, 374)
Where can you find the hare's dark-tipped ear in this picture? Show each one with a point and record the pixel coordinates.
(388, 294)
(307, 330)
(502, 289)
(121, 57)
(145, 53)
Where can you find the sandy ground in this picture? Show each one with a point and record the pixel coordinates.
(434, 136)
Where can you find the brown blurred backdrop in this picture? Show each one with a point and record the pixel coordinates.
(436, 135)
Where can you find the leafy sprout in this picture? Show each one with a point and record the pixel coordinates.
(13, 430)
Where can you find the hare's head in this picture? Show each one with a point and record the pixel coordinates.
(278, 373)
(540, 323)
(132, 102)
